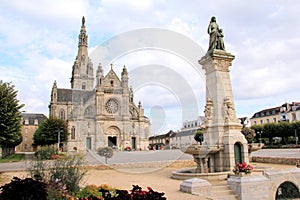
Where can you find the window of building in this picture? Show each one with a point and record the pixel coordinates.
(26, 122)
(111, 82)
(25, 147)
(254, 122)
(36, 122)
(274, 119)
(261, 121)
(268, 120)
(73, 133)
(62, 114)
(83, 86)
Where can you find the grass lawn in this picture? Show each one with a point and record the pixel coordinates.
(13, 158)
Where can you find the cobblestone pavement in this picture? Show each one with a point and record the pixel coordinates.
(149, 156)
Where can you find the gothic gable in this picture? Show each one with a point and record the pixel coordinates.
(111, 79)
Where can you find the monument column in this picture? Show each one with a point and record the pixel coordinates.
(222, 128)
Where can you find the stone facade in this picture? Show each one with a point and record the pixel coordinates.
(30, 123)
(101, 115)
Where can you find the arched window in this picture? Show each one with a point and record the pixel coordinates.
(73, 133)
(62, 114)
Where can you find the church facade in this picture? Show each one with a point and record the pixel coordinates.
(100, 111)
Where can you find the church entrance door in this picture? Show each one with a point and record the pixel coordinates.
(112, 141)
(133, 142)
(88, 143)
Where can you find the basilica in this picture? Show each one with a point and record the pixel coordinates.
(100, 110)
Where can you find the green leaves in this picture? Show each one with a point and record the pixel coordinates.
(10, 118)
(47, 132)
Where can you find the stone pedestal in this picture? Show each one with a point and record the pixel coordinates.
(250, 187)
(196, 186)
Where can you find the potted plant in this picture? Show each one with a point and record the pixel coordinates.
(242, 168)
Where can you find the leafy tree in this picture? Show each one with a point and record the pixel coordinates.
(199, 136)
(10, 119)
(285, 129)
(107, 152)
(270, 130)
(249, 134)
(48, 130)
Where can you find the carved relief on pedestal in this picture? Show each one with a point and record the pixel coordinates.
(208, 111)
(229, 111)
(222, 64)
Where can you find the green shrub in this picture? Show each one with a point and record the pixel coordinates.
(68, 171)
(89, 191)
(45, 153)
(107, 152)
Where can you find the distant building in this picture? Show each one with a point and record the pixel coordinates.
(179, 139)
(30, 123)
(286, 112)
(161, 141)
(193, 124)
(183, 139)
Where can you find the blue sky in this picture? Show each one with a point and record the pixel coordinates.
(39, 45)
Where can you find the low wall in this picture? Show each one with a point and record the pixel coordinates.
(275, 160)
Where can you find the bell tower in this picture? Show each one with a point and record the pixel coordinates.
(82, 71)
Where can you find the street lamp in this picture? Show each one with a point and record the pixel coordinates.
(259, 132)
(58, 138)
(296, 138)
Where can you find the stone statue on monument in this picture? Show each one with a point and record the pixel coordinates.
(216, 36)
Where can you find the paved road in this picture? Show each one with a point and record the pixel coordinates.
(150, 156)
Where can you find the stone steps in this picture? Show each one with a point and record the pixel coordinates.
(222, 191)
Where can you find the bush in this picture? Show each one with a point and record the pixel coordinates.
(90, 191)
(106, 152)
(45, 153)
(27, 188)
(68, 171)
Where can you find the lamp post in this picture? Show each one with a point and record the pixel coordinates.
(58, 138)
(296, 138)
(259, 132)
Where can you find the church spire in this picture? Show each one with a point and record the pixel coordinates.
(83, 40)
(82, 71)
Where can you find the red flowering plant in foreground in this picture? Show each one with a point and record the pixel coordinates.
(242, 168)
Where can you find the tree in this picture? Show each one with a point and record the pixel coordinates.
(249, 134)
(48, 130)
(107, 152)
(285, 129)
(270, 131)
(199, 135)
(10, 119)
